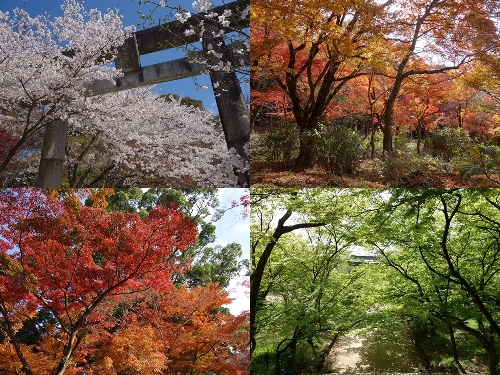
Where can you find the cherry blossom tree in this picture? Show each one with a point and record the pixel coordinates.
(201, 21)
(42, 81)
(216, 27)
(112, 144)
(125, 138)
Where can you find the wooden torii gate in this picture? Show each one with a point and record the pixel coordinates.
(231, 103)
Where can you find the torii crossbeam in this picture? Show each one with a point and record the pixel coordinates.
(229, 97)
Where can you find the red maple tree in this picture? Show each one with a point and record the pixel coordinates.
(81, 264)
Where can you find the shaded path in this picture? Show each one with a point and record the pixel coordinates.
(379, 350)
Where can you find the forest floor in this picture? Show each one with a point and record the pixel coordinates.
(381, 353)
(277, 174)
(376, 350)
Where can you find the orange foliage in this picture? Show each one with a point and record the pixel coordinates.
(105, 281)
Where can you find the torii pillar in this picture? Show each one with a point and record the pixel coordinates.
(230, 101)
(51, 169)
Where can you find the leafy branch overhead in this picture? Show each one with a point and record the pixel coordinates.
(379, 266)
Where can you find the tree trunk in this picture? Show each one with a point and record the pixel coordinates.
(293, 353)
(454, 349)
(11, 333)
(419, 136)
(372, 144)
(373, 130)
(67, 353)
(258, 273)
(459, 115)
(277, 363)
(306, 154)
(292, 344)
(389, 108)
(432, 328)
(492, 358)
(387, 141)
(322, 362)
(12, 152)
(487, 341)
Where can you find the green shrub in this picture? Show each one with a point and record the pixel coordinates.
(282, 144)
(399, 164)
(257, 147)
(263, 362)
(482, 160)
(448, 143)
(419, 326)
(401, 142)
(378, 139)
(446, 363)
(338, 149)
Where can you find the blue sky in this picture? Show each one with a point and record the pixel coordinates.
(233, 228)
(129, 9)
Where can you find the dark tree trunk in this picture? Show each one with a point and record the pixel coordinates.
(459, 115)
(291, 345)
(419, 136)
(308, 113)
(389, 108)
(400, 76)
(373, 127)
(372, 144)
(454, 349)
(277, 361)
(487, 341)
(306, 153)
(293, 352)
(387, 141)
(492, 358)
(258, 273)
(432, 328)
(322, 362)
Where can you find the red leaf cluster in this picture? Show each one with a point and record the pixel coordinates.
(83, 265)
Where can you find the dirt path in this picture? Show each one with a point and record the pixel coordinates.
(346, 356)
(376, 350)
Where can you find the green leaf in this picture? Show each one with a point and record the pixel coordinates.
(489, 151)
(468, 169)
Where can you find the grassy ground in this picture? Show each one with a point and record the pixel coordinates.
(438, 349)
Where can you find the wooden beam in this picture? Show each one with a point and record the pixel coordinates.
(157, 73)
(148, 75)
(171, 35)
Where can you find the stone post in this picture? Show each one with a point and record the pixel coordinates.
(233, 111)
(50, 171)
(127, 58)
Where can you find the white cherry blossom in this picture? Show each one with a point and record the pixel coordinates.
(127, 138)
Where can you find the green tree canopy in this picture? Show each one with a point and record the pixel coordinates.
(437, 260)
